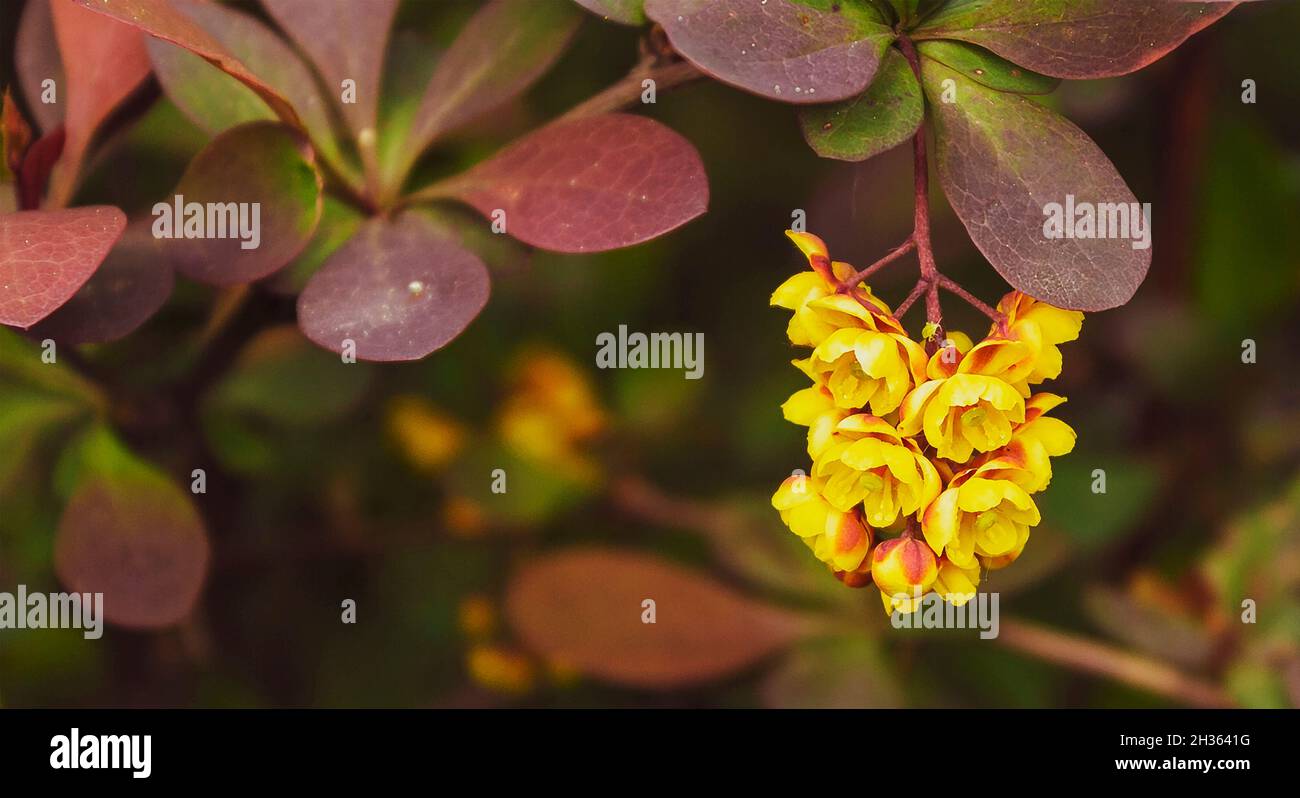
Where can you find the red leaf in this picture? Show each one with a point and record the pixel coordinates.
(1002, 160)
(346, 40)
(130, 533)
(265, 163)
(1074, 38)
(45, 256)
(583, 608)
(499, 53)
(104, 61)
(38, 162)
(36, 59)
(591, 184)
(399, 290)
(159, 18)
(134, 281)
(780, 49)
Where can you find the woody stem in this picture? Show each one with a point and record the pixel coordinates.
(931, 280)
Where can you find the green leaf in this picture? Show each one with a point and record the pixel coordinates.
(130, 533)
(1003, 160)
(884, 116)
(536, 492)
(217, 102)
(1073, 39)
(1247, 243)
(986, 68)
(1094, 519)
(262, 162)
(500, 52)
(21, 365)
(848, 672)
(628, 12)
(28, 418)
(282, 379)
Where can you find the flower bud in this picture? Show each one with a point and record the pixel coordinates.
(904, 569)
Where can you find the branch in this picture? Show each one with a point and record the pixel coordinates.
(1110, 662)
(628, 90)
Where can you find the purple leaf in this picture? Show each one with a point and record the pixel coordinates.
(216, 102)
(45, 256)
(590, 184)
(104, 61)
(263, 163)
(780, 49)
(134, 281)
(1074, 38)
(346, 40)
(160, 18)
(501, 51)
(130, 533)
(1003, 161)
(36, 59)
(398, 291)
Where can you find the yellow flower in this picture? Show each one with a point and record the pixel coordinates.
(947, 358)
(500, 669)
(867, 462)
(1043, 327)
(1027, 459)
(956, 585)
(979, 516)
(551, 414)
(802, 293)
(963, 413)
(836, 538)
(428, 438)
(903, 569)
(815, 409)
(866, 367)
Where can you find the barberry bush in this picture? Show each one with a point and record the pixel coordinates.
(388, 399)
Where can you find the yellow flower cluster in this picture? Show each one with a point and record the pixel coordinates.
(954, 443)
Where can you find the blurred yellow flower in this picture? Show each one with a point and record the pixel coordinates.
(427, 438)
(477, 617)
(501, 670)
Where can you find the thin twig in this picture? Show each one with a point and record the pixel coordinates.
(920, 288)
(628, 90)
(952, 287)
(1113, 663)
(898, 252)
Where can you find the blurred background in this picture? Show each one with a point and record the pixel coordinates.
(375, 482)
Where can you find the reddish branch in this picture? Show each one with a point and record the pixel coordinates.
(931, 280)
